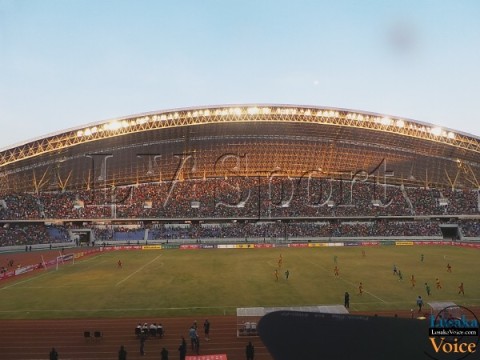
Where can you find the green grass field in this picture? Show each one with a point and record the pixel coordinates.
(189, 282)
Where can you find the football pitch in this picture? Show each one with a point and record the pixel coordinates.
(174, 282)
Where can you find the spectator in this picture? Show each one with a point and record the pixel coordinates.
(122, 353)
(206, 329)
(182, 349)
(53, 354)
(164, 354)
(250, 351)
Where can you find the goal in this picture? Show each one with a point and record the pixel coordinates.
(65, 258)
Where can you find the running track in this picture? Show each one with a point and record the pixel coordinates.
(33, 339)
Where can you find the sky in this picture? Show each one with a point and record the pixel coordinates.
(67, 63)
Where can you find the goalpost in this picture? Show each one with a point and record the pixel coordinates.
(64, 258)
(44, 264)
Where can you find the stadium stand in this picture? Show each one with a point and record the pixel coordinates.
(262, 172)
(262, 215)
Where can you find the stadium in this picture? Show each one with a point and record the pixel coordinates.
(292, 181)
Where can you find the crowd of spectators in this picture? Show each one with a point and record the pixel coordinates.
(31, 234)
(28, 234)
(308, 207)
(272, 230)
(242, 197)
(470, 228)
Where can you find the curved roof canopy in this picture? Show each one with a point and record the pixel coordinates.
(244, 140)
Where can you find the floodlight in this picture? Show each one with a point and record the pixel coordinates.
(437, 131)
(386, 121)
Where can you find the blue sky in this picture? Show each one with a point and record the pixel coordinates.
(64, 63)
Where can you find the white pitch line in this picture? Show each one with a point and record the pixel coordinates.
(230, 307)
(119, 310)
(375, 296)
(139, 269)
(25, 281)
(350, 283)
(365, 291)
(44, 273)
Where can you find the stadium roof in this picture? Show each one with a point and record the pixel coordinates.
(244, 140)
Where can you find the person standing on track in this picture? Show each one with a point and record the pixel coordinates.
(197, 344)
(122, 353)
(53, 354)
(143, 338)
(206, 329)
(164, 354)
(250, 351)
(182, 349)
(192, 333)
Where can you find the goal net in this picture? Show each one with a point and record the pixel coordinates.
(64, 259)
